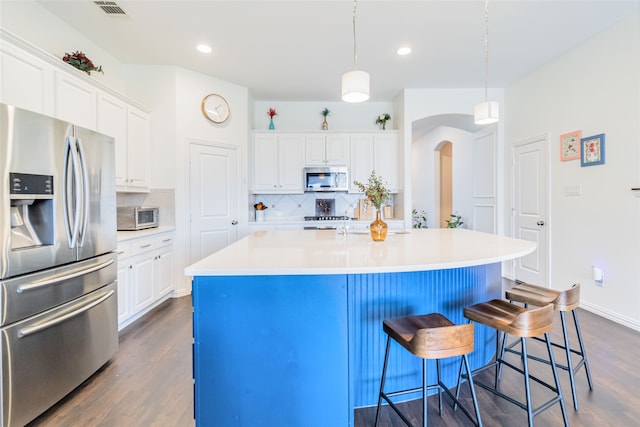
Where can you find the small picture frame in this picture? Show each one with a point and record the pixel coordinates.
(570, 145)
(592, 150)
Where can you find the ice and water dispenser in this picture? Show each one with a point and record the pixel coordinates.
(32, 222)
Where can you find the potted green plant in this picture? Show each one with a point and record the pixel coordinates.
(419, 219)
(455, 221)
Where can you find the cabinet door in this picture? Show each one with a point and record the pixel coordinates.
(265, 163)
(361, 160)
(142, 280)
(76, 101)
(314, 150)
(386, 159)
(138, 149)
(290, 163)
(26, 81)
(164, 271)
(112, 121)
(124, 290)
(337, 150)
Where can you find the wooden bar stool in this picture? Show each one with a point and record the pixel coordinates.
(563, 301)
(429, 336)
(520, 322)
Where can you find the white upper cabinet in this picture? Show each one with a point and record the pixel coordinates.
(327, 150)
(130, 128)
(112, 121)
(25, 81)
(76, 101)
(377, 152)
(361, 160)
(36, 81)
(278, 163)
(385, 152)
(138, 149)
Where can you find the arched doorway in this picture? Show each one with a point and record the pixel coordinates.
(445, 177)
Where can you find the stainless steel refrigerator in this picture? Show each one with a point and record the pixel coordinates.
(58, 303)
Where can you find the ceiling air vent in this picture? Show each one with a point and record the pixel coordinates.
(110, 7)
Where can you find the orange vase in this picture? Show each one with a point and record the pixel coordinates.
(378, 228)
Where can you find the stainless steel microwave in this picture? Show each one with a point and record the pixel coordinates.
(137, 218)
(333, 178)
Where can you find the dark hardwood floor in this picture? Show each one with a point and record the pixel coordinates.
(148, 383)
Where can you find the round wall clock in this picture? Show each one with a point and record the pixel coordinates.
(215, 108)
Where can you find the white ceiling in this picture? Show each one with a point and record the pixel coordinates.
(297, 50)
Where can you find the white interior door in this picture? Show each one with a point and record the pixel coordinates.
(213, 199)
(530, 207)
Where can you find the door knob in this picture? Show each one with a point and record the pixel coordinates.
(234, 222)
(540, 223)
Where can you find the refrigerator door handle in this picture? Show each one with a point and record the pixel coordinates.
(85, 192)
(67, 314)
(63, 277)
(71, 201)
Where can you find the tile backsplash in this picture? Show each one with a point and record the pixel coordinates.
(297, 206)
(163, 198)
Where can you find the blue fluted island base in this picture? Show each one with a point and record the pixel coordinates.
(288, 324)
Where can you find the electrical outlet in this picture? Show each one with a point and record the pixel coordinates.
(598, 276)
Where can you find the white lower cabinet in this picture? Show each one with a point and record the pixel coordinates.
(145, 275)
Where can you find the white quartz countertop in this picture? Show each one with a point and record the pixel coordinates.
(297, 252)
(123, 236)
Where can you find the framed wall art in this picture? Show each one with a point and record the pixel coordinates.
(570, 145)
(592, 150)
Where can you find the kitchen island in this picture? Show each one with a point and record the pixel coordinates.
(288, 323)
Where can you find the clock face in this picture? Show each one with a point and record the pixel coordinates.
(215, 108)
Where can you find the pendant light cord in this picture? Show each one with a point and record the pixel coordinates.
(355, 6)
(486, 48)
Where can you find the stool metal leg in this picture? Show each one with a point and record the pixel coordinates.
(384, 373)
(569, 361)
(556, 380)
(439, 388)
(425, 382)
(582, 350)
(527, 388)
(471, 388)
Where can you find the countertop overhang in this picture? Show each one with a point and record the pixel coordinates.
(325, 252)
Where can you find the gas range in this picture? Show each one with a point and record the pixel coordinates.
(328, 218)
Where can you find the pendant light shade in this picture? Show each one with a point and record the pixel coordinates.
(486, 112)
(355, 86)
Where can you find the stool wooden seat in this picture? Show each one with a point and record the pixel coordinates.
(511, 319)
(563, 301)
(429, 336)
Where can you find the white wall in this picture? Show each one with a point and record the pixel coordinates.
(420, 103)
(593, 88)
(307, 115)
(33, 23)
(425, 165)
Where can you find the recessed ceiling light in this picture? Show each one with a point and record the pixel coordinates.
(204, 48)
(403, 51)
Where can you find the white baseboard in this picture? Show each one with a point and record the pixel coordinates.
(181, 293)
(608, 314)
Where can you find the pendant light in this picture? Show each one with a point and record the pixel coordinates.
(486, 112)
(355, 84)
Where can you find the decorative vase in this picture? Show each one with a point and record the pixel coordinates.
(325, 125)
(384, 125)
(271, 125)
(378, 228)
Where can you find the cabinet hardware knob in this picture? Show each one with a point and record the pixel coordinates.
(540, 223)
(234, 222)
